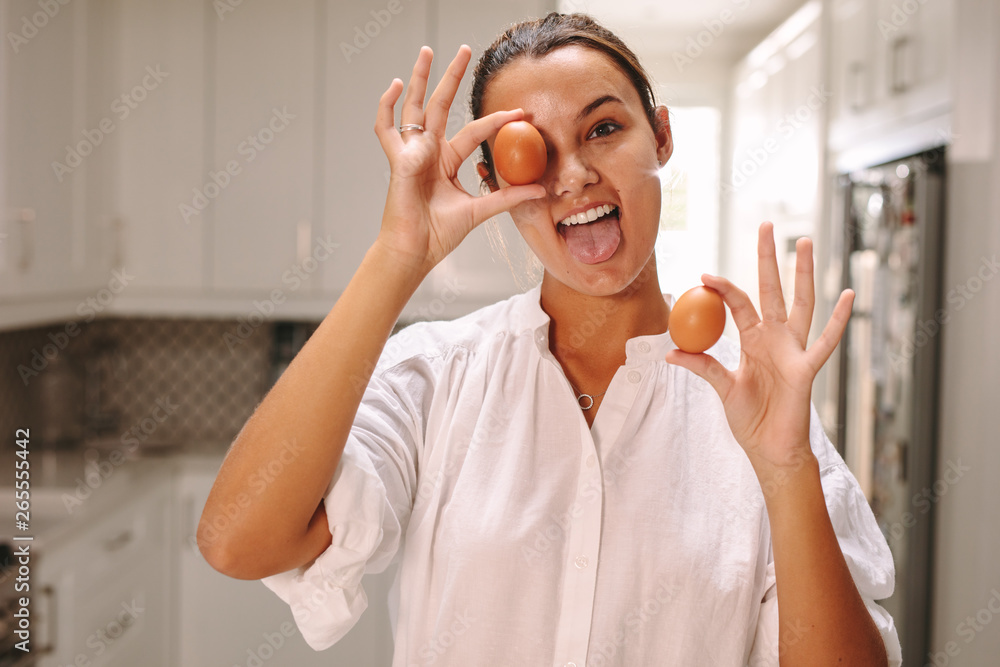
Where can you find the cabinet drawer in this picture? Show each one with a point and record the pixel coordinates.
(131, 535)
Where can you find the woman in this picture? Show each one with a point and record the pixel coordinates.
(559, 482)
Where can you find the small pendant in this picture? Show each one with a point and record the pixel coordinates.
(588, 405)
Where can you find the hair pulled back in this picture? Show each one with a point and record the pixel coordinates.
(536, 38)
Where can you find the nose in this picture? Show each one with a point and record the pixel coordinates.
(571, 173)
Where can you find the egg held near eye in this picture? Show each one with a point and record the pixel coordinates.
(519, 153)
(697, 319)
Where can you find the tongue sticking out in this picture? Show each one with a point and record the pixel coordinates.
(593, 242)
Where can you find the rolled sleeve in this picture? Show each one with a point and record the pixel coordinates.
(367, 505)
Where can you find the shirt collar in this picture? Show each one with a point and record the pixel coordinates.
(638, 350)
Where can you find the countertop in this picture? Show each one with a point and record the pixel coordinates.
(70, 487)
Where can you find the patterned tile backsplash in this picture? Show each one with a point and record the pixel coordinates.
(151, 382)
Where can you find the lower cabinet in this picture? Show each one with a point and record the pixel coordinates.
(104, 593)
(224, 622)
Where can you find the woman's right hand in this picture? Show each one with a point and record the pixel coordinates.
(427, 211)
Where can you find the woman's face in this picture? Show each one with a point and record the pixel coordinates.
(602, 153)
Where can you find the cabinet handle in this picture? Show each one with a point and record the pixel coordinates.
(119, 541)
(899, 65)
(26, 216)
(118, 232)
(856, 86)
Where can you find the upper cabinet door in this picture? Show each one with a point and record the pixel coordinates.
(368, 44)
(263, 170)
(53, 149)
(891, 66)
(474, 275)
(161, 143)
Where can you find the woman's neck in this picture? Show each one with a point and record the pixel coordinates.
(588, 333)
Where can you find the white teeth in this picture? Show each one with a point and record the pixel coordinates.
(588, 216)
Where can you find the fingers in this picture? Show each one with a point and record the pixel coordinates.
(412, 110)
(438, 106)
(832, 332)
(706, 367)
(469, 137)
(800, 318)
(504, 199)
(772, 303)
(744, 314)
(385, 119)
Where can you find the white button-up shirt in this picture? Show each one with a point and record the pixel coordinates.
(526, 537)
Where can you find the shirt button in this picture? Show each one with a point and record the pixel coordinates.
(591, 460)
(570, 664)
(644, 346)
(634, 377)
(581, 562)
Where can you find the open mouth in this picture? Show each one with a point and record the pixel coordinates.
(594, 235)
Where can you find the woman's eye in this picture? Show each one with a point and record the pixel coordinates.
(604, 129)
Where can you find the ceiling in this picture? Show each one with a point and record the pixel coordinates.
(668, 25)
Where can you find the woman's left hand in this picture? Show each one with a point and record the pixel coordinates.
(767, 398)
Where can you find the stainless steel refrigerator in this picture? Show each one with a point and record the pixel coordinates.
(892, 218)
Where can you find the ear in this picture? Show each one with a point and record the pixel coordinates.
(484, 173)
(664, 138)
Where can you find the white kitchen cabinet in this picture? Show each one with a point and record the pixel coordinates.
(224, 621)
(56, 150)
(474, 275)
(162, 148)
(238, 160)
(104, 591)
(368, 45)
(889, 64)
(266, 101)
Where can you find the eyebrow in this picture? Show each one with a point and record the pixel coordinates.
(593, 106)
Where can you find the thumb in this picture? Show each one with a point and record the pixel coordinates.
(706, 367)
(504, 199)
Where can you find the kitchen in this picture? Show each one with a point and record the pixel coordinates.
(187, 189)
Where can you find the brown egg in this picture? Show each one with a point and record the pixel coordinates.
(519, 153)
(697, 319)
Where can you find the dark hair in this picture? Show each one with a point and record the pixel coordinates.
(541, 36)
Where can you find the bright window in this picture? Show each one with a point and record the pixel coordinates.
(688, 243)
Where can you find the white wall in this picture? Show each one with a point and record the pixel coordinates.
(967, 569)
